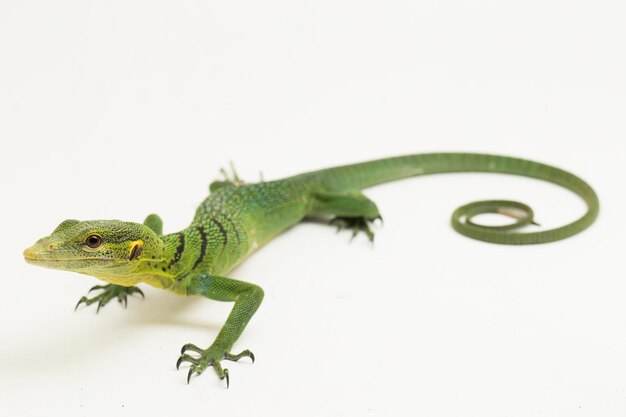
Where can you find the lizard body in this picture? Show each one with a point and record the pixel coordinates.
(237, 218)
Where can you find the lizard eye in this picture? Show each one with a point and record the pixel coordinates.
(93, 241)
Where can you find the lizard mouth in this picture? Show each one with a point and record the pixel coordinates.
(35, 257)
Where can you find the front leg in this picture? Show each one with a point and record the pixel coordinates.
(247, 298)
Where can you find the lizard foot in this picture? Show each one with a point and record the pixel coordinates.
(209, 357)
(109, 292)
(356, 224)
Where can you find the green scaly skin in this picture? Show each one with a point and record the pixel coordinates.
(238, 218)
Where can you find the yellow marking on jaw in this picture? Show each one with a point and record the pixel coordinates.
(135, 249)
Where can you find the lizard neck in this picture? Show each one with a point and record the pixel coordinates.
(175, 260)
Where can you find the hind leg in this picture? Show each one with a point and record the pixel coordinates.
(352, 211)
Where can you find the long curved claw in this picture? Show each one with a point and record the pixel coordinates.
(187, 358)
(222, 373)
(191, 347)
(83, 299)
(191, 371)
(133, 290)
(198, 368)
(246, 353)
(123, 299)
(96, 287)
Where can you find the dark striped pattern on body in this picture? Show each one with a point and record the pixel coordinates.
(203, 245)
(222, 230)
(179, 250)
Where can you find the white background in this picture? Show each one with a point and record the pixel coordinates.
(121, 108)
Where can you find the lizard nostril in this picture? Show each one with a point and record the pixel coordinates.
(51, 247)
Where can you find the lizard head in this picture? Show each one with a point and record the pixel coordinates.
(109, 249)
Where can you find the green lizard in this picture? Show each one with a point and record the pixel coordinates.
(238, 218)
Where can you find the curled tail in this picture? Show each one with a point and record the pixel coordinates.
(362, 175)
